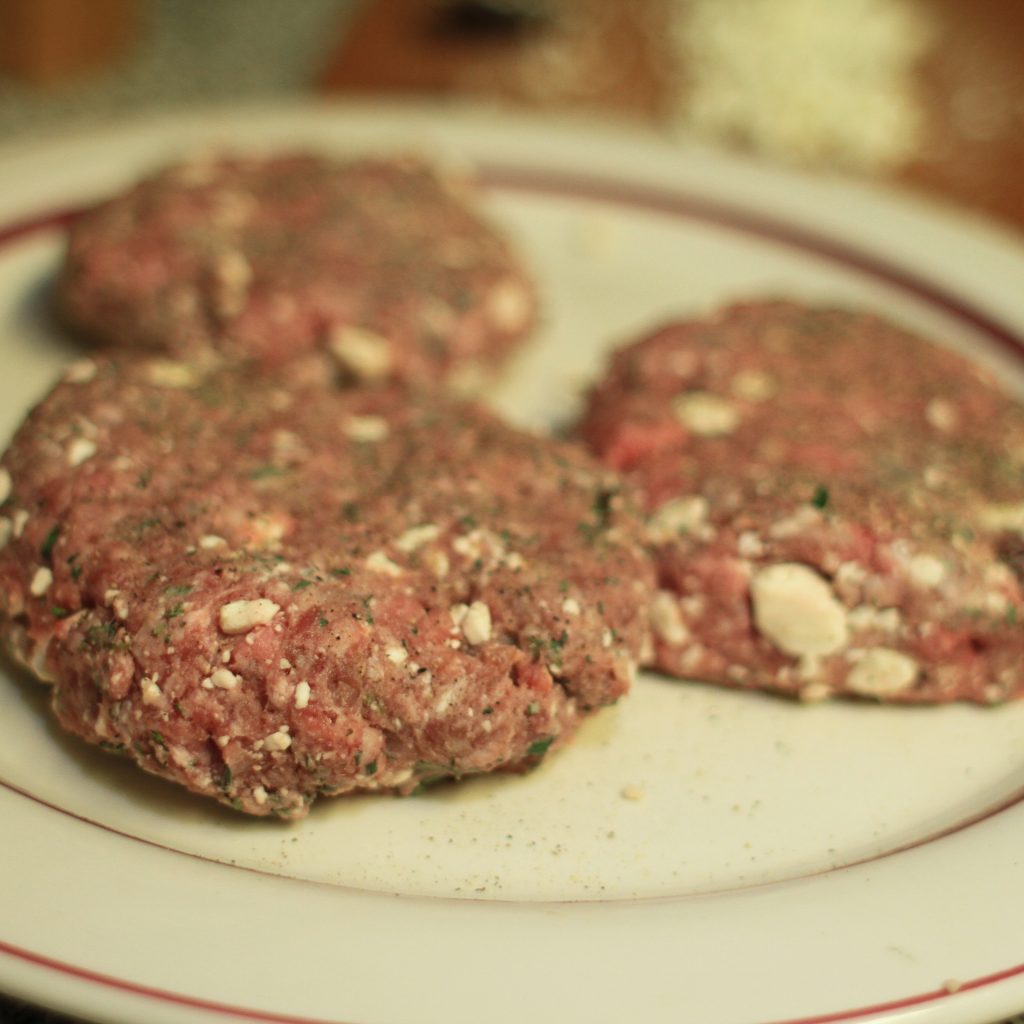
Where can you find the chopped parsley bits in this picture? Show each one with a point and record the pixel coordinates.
(820, 497)
(540, 747)
(46, 551)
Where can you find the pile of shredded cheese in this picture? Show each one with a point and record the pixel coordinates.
(807, 81)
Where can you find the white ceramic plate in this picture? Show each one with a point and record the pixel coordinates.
(697, 855)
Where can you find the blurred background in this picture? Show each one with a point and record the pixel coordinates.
(927, 95)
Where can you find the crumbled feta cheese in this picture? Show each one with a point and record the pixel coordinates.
(812, 82)
(80, 449)
(416, 536)
(685, 515)
(667, 620)
(866, 616)
(80, 372)
(115, 600)
(379, 562)
(365, 354)
(366, 428)
(41, 581)
(151, 692)
(794, 607)
(942, 415)
(476, 623)
(241, 616)
(795, 524)
(571, 606)
(881, 671)
(223, 679)
(302, 694)
(749, 545)
(20, 522)
(926, 570)
(851, 573)
(396, 654)
(705, 414)
(509, 305)
(234, 276)
(753, 386)
(437, 563)
(210, 541)
(5, 484)
(1001, 517)
(813, 693)
(167, 373)
(259, 795)
(279, 740)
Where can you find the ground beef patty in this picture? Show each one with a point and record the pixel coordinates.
(835, 505)
(266, 595)
(381, 262)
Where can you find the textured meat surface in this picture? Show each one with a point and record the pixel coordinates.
(266, 595)
(381, 263)
(836, 506)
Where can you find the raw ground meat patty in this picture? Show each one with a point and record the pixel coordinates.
(267, 595)
(835, 506)
(381, 262)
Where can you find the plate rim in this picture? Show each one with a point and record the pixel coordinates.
(994, 246)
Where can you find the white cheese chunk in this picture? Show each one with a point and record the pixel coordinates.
(881, 671)
(365, 354)
(705, 414)
(241, 616)
(794, 607)
(41, 581)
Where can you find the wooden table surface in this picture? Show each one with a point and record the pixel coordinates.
(617, 57)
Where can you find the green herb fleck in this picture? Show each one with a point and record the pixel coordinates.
(602, 505)
(1011, 615)
(559, 642)
(173, 613)
(820, 497)
(533, 708)
(51, 539)
(59, 613)
(371, 768)
(158, 739)
(302, 584)
(341, 572)
(263, 472)
(323, 623)
(225, 779)
(178, 591)
(539, 747)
